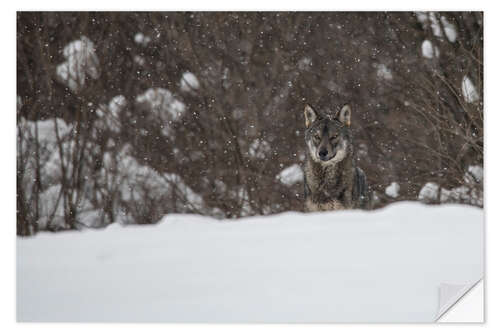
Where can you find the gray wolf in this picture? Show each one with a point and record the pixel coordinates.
(332, 181)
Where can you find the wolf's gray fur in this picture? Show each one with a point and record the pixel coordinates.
(332, 181)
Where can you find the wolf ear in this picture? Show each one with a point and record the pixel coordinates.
(344, 115)
(310, 115)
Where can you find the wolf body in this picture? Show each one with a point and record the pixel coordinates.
(332, 181)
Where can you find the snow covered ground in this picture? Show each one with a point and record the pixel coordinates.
(388, 265)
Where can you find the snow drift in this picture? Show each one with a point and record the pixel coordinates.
(380, 266)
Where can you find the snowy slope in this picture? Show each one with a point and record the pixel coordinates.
(381, 266)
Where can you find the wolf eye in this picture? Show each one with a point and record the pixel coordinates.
(317, 137)
(333, 137)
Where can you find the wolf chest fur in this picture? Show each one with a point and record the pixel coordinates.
(332, 179)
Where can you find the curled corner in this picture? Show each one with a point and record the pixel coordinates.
(451, 294)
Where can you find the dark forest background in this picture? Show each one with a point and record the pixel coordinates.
(124, 117)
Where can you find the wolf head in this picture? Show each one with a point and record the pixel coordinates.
(328, 139)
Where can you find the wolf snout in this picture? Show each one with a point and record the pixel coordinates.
(323, 153)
